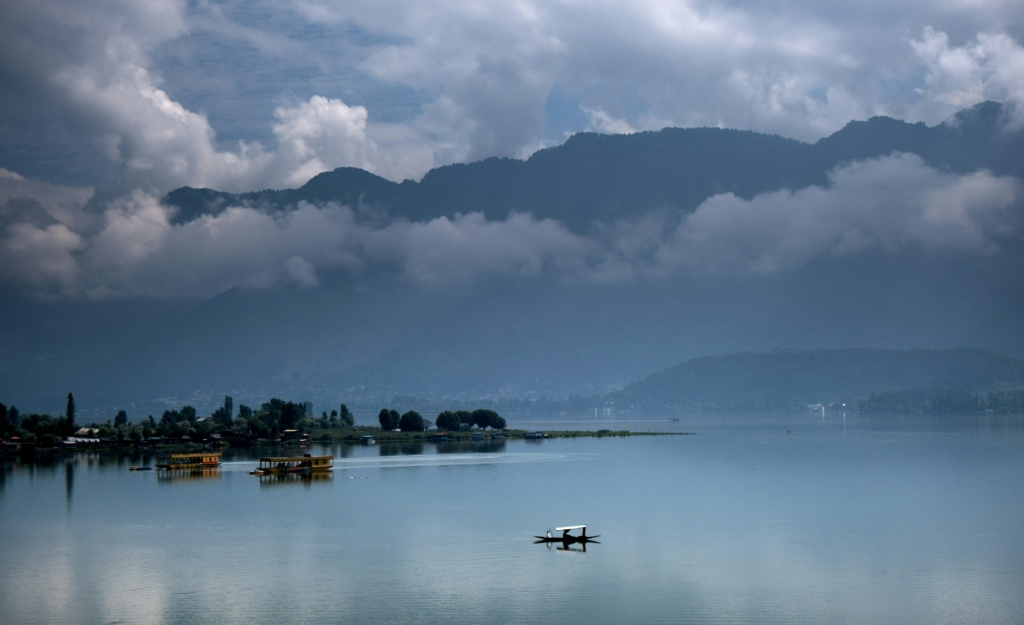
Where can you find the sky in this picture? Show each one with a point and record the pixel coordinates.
(105, 105)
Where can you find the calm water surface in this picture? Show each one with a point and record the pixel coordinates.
(785, 518)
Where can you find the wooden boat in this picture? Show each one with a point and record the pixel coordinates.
(295, 464)
(566, 538)
(200, 460)
(257, 472)
(135, 468)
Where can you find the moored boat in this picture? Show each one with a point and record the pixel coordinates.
(294, 464)
(201, 460)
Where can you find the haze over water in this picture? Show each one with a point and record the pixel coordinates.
(789, 518)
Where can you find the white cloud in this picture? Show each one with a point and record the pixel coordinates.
(870, 207)
(302, 272)
(989, 68)
(885, 204)
(602, 122)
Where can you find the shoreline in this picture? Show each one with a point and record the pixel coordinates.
(346, 436)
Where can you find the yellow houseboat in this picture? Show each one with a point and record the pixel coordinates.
(295, 464)
(198, 460)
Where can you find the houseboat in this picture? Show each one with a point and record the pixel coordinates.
(367, 440)
(295, 464)
(197, 460)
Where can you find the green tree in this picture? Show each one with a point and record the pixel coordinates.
(389, 419)
(411, 422)
(244, 412)
(484, 418)
(222, 415)
(290, 415)
(347, 418)
(5, 425)
(448, 420)
(121, 418)
(69, 415)
(464, 416)
(169, 422)
(188, 413)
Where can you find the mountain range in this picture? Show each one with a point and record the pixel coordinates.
(371, 335)
(787, 378)
(603, 178)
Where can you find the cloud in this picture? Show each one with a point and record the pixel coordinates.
(885, 204)
(877, 206)
(242, 97)
(302, 272)
(602, 122)
(989, 68)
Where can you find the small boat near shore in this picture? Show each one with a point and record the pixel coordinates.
(135, 468)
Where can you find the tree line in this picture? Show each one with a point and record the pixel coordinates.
(272, 418)
(448, 420)
(269, 421)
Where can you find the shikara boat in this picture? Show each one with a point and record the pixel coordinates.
(294, 464)
(200, 460)
(566, 538)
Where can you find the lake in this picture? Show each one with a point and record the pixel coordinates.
(783, 518)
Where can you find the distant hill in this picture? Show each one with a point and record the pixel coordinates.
(787, 378)
(603, 178)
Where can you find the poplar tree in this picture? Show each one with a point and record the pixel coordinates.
(69, 415)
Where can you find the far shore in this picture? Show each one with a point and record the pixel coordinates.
(350, 436)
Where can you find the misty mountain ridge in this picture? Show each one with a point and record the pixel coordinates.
(604, 178)
(789, 378)
(373, 334)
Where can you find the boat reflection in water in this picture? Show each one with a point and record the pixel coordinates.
(567, 540)
(181, 475)
(189, 466)
(318, 477)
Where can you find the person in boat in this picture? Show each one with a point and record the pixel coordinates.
(549, 533)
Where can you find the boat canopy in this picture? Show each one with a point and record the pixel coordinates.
(571, 527)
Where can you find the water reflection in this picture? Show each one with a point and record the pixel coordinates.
(754, 520)
(468, 447)
(185, 475)
(404, 449)
(69, 480)
(307, 479)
